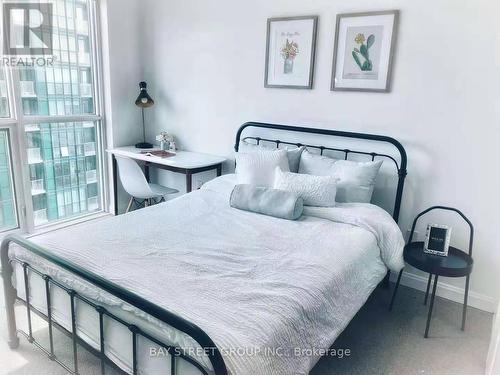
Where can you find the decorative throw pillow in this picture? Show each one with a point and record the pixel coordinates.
(317, 191)
(356, 180)
(257, 168)
(271, 202)
(293, 154)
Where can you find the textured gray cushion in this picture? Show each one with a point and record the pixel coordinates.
(356, 180)
(293, 153)
(271, 202)
(319, 191)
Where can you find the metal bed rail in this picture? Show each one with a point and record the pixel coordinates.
(401, 166)
(205, 342)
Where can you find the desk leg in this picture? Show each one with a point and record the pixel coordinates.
(146, 172)
(189, 182)
(429, 316)
(115, 184)
(219, 170)
(464, 312)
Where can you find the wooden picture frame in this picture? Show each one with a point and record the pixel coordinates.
(290, 52)
(355, 67)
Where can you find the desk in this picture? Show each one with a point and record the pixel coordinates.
(185, 162)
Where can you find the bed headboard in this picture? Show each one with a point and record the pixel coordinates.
(400, 165)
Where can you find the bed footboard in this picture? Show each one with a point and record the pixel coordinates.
(175, 353)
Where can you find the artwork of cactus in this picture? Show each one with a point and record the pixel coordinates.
(363, 52)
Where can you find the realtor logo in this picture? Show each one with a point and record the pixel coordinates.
(27, 29)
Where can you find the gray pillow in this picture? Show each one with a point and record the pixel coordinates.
(356, 180)
(271, 202)
(292, 153)
(319, 191)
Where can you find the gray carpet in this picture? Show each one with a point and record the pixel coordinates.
(385, 342)
(379, 342)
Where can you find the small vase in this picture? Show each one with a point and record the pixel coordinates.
(165, 146)
(288, 66)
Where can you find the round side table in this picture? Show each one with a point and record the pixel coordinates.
(457, 264)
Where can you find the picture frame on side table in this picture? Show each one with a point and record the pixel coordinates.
(290, 52)
(437, 239)
(364, 51)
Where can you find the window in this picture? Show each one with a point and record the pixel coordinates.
(63, 169)
(57, 117)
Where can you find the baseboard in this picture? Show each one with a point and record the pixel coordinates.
(451, 292)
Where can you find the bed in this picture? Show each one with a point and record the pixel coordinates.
(210, 289)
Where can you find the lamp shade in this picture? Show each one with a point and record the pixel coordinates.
(144, 100)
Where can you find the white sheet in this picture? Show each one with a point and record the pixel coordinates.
(251, 282)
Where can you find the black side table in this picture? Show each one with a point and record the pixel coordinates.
(457, 264)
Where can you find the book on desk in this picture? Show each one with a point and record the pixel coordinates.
(158, 153)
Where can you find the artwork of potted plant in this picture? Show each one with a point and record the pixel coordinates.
(363, 50)
(289, 51)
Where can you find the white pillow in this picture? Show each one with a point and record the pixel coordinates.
(293, 154)
(257, 168)
(356, 180)
(317, 191)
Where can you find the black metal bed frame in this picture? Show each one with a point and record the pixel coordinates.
(142, 304)
(205, 342)
(400, 166)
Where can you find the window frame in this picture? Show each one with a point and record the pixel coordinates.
(16, 127)
(16, 179)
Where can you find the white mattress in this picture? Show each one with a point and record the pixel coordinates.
(251, 282)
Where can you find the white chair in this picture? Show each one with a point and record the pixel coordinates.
(135, 184)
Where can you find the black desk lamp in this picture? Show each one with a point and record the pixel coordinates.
(144, 101)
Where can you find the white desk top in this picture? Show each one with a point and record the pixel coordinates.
(182, 159)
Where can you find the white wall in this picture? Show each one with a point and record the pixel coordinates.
(205, 68)
(122, 71)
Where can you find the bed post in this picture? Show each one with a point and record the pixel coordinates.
(9, 294)
(397, 206)
(402, 172)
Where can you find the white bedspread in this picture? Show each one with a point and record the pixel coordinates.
(251, 282)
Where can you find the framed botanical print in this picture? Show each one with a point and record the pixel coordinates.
(364, 49)
(290, 51)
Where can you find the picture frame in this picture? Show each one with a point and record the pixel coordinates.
(291, 52)
(364, 51)
(437, 239)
